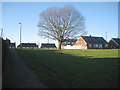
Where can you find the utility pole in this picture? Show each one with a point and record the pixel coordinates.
(48, 39)
(20, 35)
(106, 35)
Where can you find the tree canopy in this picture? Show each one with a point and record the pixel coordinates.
(61, 23)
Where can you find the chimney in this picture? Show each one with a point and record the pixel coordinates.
(89, 35)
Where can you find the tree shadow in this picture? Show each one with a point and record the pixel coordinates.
(76, 71)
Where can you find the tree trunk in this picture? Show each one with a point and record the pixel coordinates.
(59, 44)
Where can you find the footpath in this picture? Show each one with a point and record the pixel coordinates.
(17, 74)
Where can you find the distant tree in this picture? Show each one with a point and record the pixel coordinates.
(61, 23)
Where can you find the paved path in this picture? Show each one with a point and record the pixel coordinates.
(17, 73)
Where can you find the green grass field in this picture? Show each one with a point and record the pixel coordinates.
(74, 68)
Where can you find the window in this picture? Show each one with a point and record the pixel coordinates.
(73, 43)
(63, 42)
(96, 45)
(106, 45)
(90, 45)
(100, 45)
(68, 42)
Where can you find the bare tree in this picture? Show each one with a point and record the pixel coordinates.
(61, 23)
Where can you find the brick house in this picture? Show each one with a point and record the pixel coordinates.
(27, 45)
(85, 42)
(90, 42)
(114, 43)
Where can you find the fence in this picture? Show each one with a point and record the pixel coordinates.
(0, 63)
(5, 45)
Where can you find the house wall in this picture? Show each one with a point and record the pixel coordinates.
(81, 42)
(29, 47)
(74, 47)
(99, 46)
(62, 46)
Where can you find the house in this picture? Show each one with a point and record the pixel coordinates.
(114, 43)
(48, 45)
(68, 43)
(85, 42)
(90, 42)
(12, 45)
(27, 45)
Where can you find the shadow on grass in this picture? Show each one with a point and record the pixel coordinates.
(67, 71)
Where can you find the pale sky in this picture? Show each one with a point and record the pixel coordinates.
(100, 17)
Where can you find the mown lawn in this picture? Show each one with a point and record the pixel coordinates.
(75, 68)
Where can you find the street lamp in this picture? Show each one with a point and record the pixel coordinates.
(20, 34)
(106, 35)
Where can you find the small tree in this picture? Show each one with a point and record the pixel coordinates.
(61, 23)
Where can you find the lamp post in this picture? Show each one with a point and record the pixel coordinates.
(20, 34)
(106, 35)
